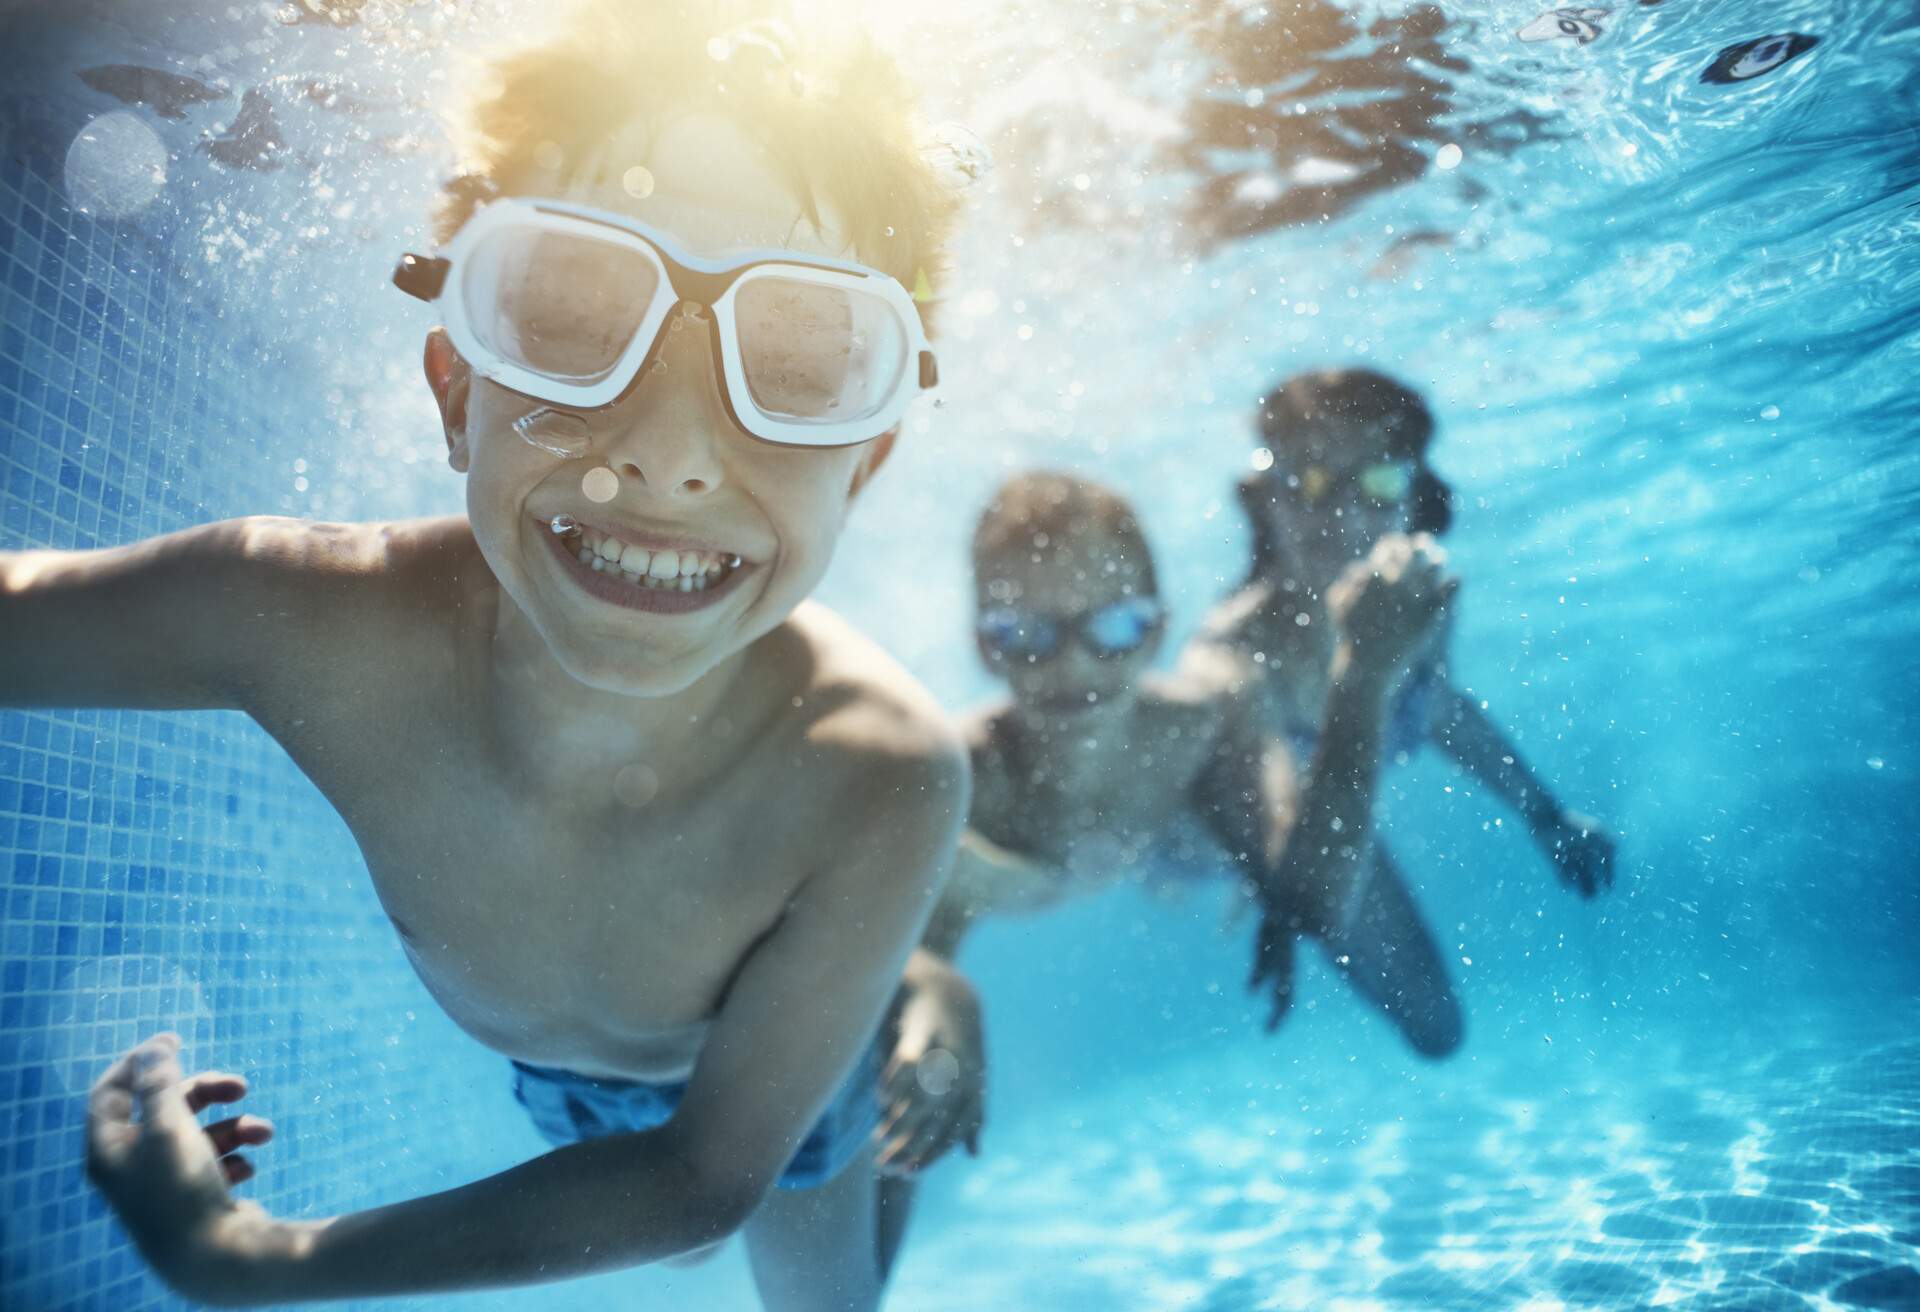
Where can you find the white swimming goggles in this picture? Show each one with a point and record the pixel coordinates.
(570, 305)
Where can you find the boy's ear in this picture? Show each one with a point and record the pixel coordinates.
(870, 461)
(452, 381)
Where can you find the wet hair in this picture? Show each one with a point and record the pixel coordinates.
(1320, 403)
(1326, 399)
(839, 123)
(1043, 510)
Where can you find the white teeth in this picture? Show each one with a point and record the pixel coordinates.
(675, 571)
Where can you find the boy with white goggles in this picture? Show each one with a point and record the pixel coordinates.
(569, 305)
(652, 825)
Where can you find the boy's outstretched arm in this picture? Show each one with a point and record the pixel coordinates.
(933, 1090)
(795, 1019)
(933, 1093)
(1580, 848)
(191, 620)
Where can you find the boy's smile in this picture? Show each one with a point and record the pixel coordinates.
(666, 574)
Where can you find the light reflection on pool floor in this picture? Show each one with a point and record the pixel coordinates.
(1788, 1178)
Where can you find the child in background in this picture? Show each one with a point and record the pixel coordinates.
(1097, 770)
(649, 823)
(1343, 467)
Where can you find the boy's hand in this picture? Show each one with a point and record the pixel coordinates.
(1386, 606)
(933, 1092)
(1273, 953)
(167, 1177)
(1581, 849)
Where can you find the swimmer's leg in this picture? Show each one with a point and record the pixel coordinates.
(812, 1250)
(893, 1205)
(1392, 960)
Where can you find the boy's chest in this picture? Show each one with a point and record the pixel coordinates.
(594, 931)
(1099, 807)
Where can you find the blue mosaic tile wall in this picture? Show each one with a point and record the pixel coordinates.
(175, 871)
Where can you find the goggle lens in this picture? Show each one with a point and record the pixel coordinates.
(817, 353)
(1014, 635)
(1122, 627)
(1386, 482)
(1117, 629)
(559, 304)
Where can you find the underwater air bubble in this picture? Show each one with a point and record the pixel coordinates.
(956, 155)
(115, 167)
(937, 1071)
(636, 784)
(555, 431)
(1448, 156)
(1751, 59)
(563, 524)
(638, 182)
(600, 485)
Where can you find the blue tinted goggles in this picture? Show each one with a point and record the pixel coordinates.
(1120, 628)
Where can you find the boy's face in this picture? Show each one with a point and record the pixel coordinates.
(1067, 589)
(665, 469)
(1351, 490)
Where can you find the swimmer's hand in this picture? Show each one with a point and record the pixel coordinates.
(1388, 605)
(1273, 952)
(1581, 849)
(933, 1092)
(168, 1178)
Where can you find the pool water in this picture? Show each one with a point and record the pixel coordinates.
(1670, 324)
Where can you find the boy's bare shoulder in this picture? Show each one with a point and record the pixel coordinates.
(859, 713)
(403, 573)
(398, 555)
(333, 602)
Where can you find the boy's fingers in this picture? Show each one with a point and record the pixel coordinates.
(158, 1088)
(934, 1137)
(237, 1132)
(209, 1087)
(896, 1085)
(237, 1169)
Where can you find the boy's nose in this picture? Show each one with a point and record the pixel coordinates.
(668, 433)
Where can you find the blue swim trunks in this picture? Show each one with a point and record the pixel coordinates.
(567, 1107)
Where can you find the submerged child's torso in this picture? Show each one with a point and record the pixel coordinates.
(564, 912)
(1090, 804)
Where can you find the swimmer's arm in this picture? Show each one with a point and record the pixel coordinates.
(798, 1014)
(987, 878)
(1580, 847)
(1317, 844)
(1466, 733)
(191, 620)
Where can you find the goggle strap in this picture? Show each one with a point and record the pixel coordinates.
(929, 370)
